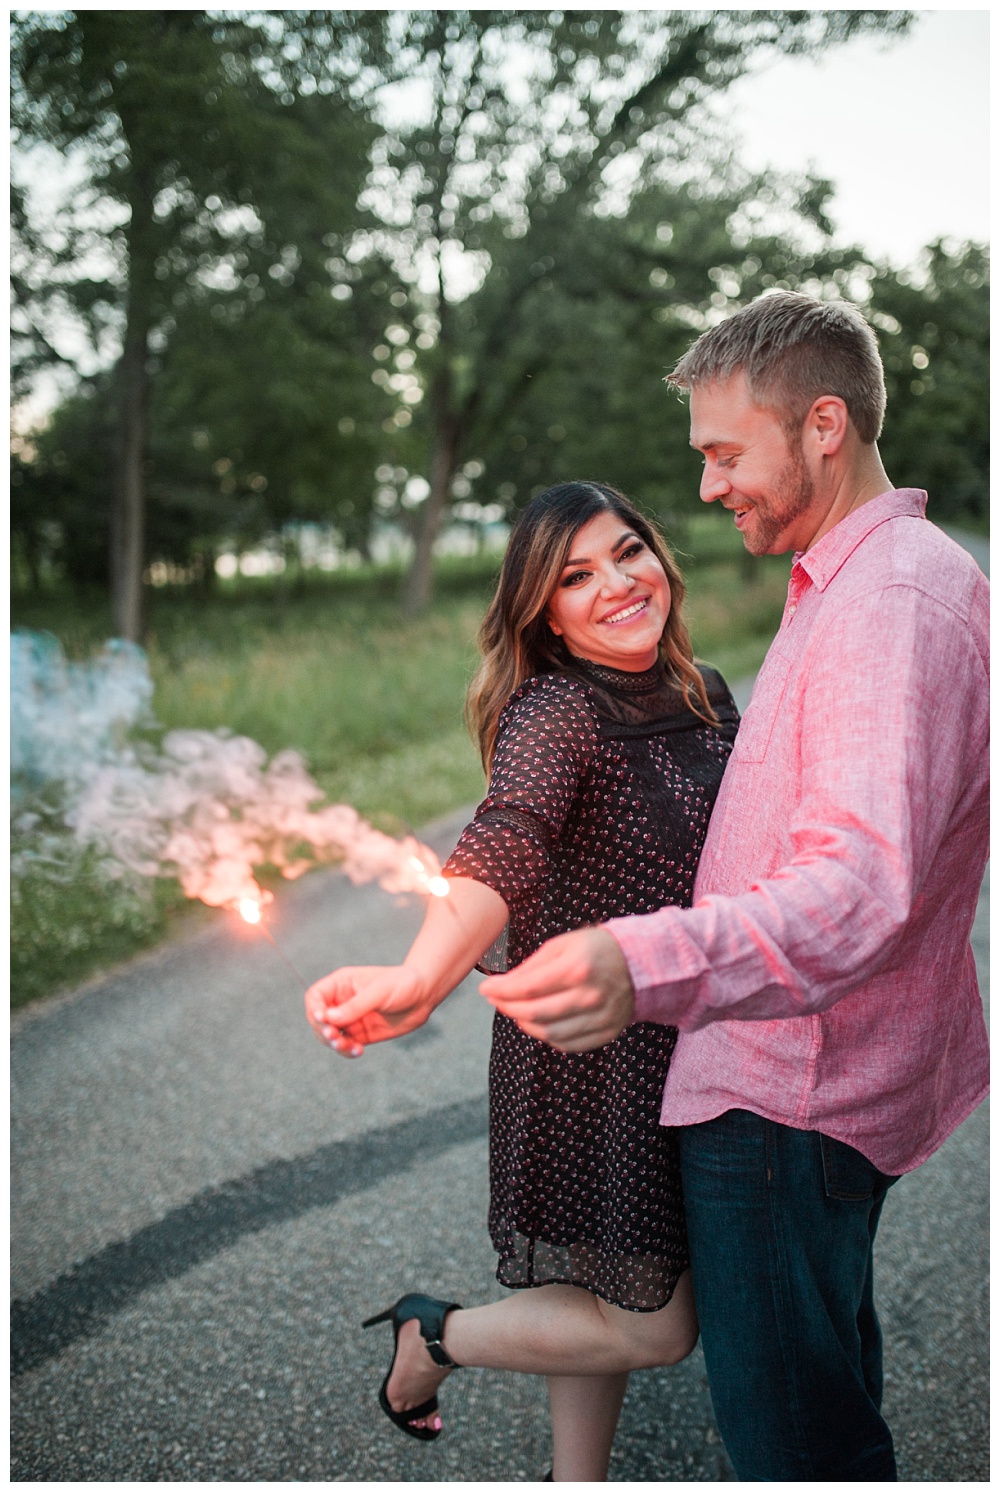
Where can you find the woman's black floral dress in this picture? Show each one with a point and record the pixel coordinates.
(599, 800)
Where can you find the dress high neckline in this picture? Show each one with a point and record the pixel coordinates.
(640, 681)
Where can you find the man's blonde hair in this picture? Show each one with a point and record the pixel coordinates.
(793, 350)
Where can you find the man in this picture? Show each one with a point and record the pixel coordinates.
(832, 1034)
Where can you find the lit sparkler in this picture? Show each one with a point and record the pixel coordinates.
(252, 912)
(208, 809)
(251, 908)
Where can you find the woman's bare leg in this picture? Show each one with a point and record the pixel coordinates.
(555, 1330)
(584, 1420)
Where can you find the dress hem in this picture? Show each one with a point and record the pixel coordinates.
(592, 1290)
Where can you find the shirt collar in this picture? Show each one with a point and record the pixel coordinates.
(825, 558)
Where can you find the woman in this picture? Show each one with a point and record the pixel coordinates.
(605, 746)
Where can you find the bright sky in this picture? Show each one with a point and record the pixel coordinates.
(902, 129)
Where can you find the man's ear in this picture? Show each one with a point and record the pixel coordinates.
(826, 425)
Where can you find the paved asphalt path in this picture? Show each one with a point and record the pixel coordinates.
(206, 1202)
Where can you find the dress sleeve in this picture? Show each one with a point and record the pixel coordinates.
(545, 743)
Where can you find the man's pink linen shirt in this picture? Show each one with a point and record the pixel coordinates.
(842, 866)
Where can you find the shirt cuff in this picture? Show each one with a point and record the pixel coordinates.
(664, 968)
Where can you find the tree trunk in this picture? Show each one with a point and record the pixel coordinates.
(129, 510)
(419, 580)
(128, 515)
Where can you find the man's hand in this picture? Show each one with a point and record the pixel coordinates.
(575, 992)
(355, 1007)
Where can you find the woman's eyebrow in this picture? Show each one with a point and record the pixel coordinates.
(585, 559)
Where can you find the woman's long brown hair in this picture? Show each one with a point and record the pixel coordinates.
(515, 639)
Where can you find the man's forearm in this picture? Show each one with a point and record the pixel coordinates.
(791, 946)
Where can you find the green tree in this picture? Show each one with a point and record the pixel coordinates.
(635, 292)
(933, 331)
(269, 408)
(533, 125)
(194, 131)
(56, 524)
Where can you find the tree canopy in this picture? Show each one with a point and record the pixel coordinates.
(365, 267)
(217, 152)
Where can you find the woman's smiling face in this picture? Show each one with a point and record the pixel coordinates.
(612, 601)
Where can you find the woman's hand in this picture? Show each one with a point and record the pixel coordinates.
(354, 1007)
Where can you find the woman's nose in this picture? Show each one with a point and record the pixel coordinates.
(617, 582)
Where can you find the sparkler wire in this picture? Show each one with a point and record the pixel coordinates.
(282, 954)
(357, 1050)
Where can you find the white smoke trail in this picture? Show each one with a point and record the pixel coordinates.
(66, 718)
(206, 808)
(209, 809)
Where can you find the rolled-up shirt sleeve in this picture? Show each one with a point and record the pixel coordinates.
(879, 753)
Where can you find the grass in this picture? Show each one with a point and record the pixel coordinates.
(327, 666)
(63, 931)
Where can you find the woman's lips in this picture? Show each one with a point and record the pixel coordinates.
(626, 613)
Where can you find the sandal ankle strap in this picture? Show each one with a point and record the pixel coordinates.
(439, 1353)
(441, 1356)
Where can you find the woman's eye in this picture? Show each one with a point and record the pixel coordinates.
(631, 552)
(576, 577)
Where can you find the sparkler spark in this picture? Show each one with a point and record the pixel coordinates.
(250, 910)
(434, 885)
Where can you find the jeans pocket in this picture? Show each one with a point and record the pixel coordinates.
(849, 1176)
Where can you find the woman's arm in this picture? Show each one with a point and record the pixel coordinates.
(546, 738)
(354, 1007)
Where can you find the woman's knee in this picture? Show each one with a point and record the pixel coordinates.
(659, 1339)
(684, 1324)
(679, 1346)
(673, 1343)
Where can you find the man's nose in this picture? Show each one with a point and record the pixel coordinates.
(713, 485)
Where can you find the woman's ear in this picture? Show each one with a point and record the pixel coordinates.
(552, 625)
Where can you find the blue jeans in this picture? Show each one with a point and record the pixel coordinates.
(781, 1224)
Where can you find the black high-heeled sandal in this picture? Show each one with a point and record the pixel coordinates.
(430, 1314)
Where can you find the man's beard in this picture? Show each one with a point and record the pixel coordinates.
(789, 500)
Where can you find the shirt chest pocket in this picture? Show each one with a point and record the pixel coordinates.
(757, 725)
